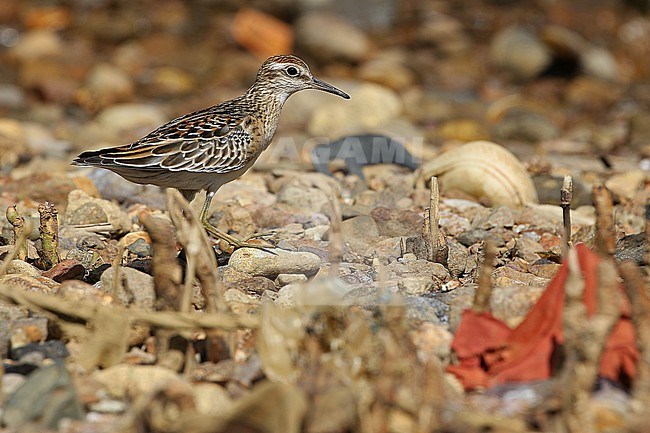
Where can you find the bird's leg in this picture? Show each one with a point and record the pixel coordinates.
(221, 235)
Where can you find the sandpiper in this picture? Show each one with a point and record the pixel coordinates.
(211, 147)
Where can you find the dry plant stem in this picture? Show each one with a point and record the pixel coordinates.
(18, 223)
(584, 341)
(636, 290)
(49, 229)
(117, 266)
(192, 236)
(647, 233)
(484, 289)
(566, 196)
(436, 245)
(336, 239)
(14, 252)
(167, 273)
(605, 230)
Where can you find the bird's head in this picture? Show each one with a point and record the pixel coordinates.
(285, 75)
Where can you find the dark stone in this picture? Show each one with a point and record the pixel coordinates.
(631, 247)
(52, 349)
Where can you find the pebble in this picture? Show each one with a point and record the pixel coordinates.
(137, 289)
(519, 52)
(83, 209)
(137, 380)
(328, 37)
(106, 84)
(387, 72)
(627, 185)
(284, 279)
(396, 222)
(22, 267)
(37, 44)
(370, 106)
(131, 119)
(257, 262)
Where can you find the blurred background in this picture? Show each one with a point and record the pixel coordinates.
(558, 80)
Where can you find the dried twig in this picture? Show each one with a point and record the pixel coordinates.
(18, 223)
(647, 233)
(49, 228)
(335, 237)
(484, 289)
(605, 230)
(636, 290)
(566, 196)
(437, 250)
(167, 272)
(584, 340)
(13, 253)
(191, 235)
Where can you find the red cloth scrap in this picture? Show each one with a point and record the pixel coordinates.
(491, 353)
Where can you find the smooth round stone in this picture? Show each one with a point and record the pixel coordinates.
(271, 263)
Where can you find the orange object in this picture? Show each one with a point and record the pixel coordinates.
(261, 34)
(490, 353)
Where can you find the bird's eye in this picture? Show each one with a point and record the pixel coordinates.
(292, 71)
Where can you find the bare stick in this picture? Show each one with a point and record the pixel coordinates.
(566, 196)
(484, 289)
(49, 228)
(191, 235)
(585, 339)
(18, 223)
(436, 245)
(647, 233)
(605, 230)
(167, 272)
(636, 291)
(336, 239)
(13, 253)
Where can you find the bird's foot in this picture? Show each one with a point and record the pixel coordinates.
(260, 235)
(238, 243)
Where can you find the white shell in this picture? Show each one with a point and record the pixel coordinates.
(483, 169)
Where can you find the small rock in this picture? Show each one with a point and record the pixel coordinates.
(29, 330)
(137, 380)
(433, 272)
(387, 72)
(83, 209)
(105, 85)
(500, 216)
(519, 52)
(257, 262)
(67, 269)
(432, 341)
(631, 247)
(507, 277)
(329, 37)
(137, 243)
(287, 296)
(22, 267)
(370, 106)
(457, 258)
(592, 94)
(32, 284)
(51, 349)
(284, 279)
(131, 119)
(473, 236)
(48, 387)
(170, 81)
(628, 184)
(135, 287)
(37, 44)
(416, 286)
(362, 227)
(396, 222)
(211, 398)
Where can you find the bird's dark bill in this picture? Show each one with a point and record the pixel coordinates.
(326, 87)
